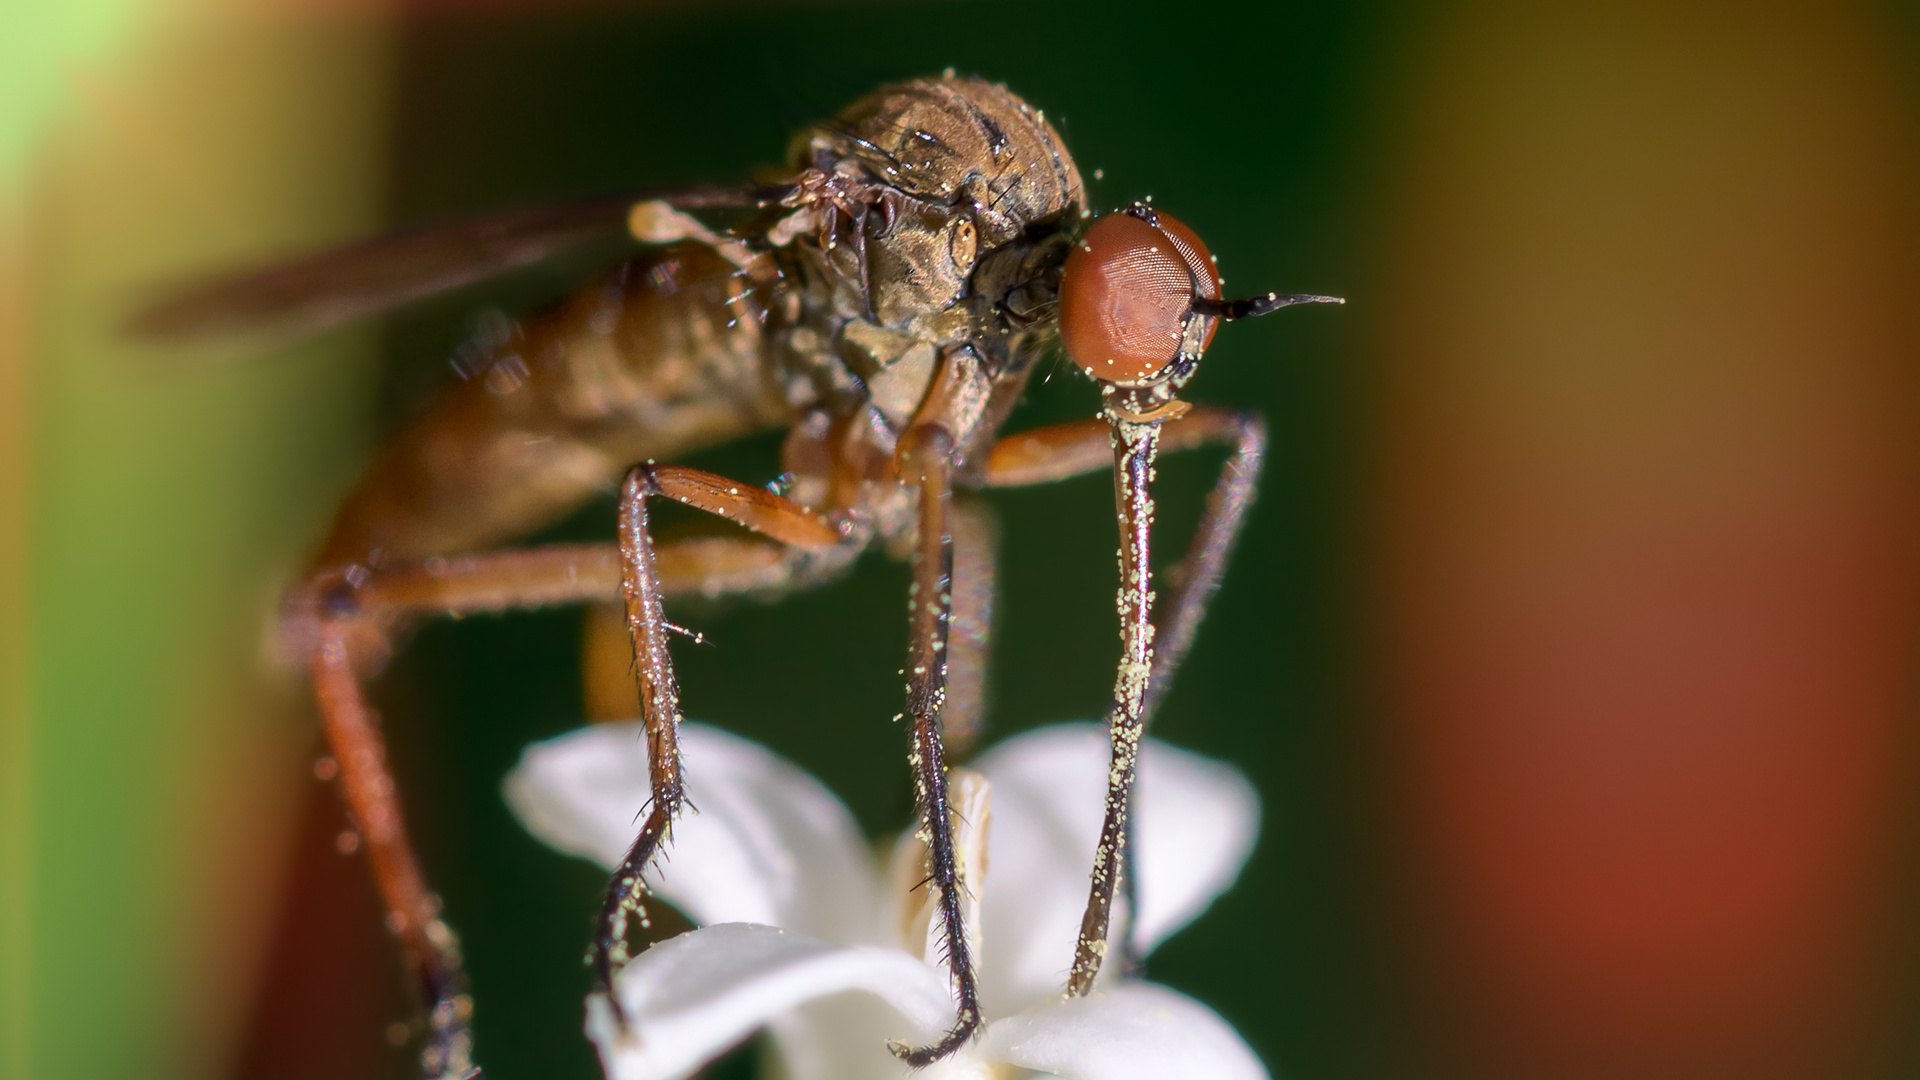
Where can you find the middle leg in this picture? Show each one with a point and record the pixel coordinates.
(756, 508)
(970, 628)
(949, 613)
(926, 457)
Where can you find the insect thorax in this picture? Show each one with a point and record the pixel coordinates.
(932, 214)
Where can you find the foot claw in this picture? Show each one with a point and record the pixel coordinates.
(449, 1051)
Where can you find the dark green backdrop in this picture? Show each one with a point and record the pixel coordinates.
(1251, 127)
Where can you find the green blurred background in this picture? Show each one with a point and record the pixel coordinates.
(173, 902)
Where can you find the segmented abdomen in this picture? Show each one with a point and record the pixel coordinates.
(663, 355)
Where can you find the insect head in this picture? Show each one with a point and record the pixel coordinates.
(1140, 299)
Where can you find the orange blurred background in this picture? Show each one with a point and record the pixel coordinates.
(1646, 546)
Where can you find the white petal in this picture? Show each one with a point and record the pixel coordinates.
(1195, 822)
(1135, 1031)
(692, 997)
(768, 843)
(841, 1038)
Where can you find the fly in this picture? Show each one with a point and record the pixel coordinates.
(885, 305)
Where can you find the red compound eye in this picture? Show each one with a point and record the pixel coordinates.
(1127, 292)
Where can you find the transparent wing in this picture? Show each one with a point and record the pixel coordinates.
(307, 296)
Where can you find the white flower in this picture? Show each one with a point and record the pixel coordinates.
(801, 935)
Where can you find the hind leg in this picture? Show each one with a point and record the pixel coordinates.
(347, 624)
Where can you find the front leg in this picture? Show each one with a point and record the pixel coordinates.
(1076, 449)
(1055, 453)
(1135, 446)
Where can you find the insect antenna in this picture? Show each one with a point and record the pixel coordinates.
(1258, 305)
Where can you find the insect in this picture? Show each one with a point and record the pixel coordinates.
(884, 304)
